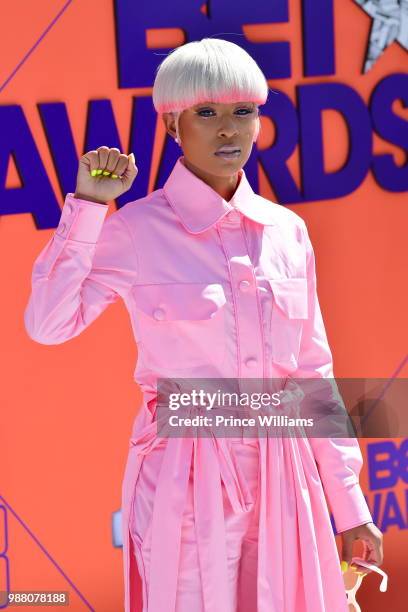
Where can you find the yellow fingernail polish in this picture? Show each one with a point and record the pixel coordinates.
(114, 176)
(344, 566)
(93, 173)
(99, 171)
(106, 173)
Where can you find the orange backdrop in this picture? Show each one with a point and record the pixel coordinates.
(67, 410)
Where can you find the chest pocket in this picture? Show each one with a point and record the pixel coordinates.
(181, 325)
(289, 312)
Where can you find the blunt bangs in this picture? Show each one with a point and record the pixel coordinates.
(211, 69)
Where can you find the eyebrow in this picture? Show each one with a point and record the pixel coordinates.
(215, 104)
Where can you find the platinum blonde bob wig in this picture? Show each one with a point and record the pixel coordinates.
(211, 69)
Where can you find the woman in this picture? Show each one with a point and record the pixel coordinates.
(219, 283)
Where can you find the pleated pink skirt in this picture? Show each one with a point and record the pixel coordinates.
(241, 533)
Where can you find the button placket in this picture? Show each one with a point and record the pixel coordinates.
(234, 216)
(249, 327)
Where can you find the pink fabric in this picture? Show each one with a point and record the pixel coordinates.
(241, 527)
(224, 290)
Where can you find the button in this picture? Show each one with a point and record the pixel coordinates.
(159, 314)
(251, 362)
(61, 228)
(244, 285)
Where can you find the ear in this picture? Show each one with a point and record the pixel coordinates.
(258, 126)
(170, 123)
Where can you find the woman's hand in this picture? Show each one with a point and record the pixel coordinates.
(372, 539)
(104, 174)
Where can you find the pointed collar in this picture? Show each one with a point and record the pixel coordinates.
(199, 206)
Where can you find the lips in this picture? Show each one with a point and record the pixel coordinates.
(227, 150)
(228, 154)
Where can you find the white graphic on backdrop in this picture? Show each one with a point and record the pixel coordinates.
(390, 24)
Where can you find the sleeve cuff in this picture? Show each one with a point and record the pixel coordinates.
(81, 220)
(349, 508)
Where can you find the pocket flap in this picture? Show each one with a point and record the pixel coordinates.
(290, 295)
(180, 301)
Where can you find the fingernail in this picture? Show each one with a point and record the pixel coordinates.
(132, 156)
(114, 176)
(93, 173)
(106, 173)
(344, 566)
(99, 171)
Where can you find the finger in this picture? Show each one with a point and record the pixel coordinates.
(130, 172)
(366, 549)
(365, 556)
(112, 160)
(121, 165)
(347, 550)
(91, 161)
(373, 549)
(103, 154)
(381, 550)
(131, 169)
(376, 552)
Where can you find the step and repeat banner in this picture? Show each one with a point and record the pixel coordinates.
(333, 148)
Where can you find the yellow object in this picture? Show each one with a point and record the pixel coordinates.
(106, 173)
(99, 171)
(93, 173)
(114, 176)
(344, 566)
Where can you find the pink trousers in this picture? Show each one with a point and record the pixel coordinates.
(241, 534)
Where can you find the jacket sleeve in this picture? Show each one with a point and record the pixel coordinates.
(339, 459)
(86, 265)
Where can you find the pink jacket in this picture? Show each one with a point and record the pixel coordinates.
(213, 289)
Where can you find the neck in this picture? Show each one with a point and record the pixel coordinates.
(225, 186)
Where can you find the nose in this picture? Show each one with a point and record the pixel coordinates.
(227, 128)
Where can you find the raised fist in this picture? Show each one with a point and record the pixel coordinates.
(104, 174)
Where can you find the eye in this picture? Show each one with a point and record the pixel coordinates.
(248, 111)
(204, 110)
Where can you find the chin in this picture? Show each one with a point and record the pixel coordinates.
(225, 167)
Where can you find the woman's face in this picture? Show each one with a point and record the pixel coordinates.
(205, 127)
